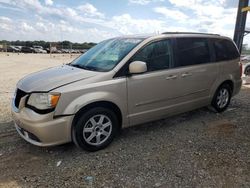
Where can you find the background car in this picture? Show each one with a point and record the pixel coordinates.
(245, 58)
(13, 49)
(246, 69)
(39, 49)
(246, 72)
(26, 49)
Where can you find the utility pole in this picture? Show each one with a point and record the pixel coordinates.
(239, 30)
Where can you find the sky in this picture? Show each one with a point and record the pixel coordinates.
(96, 20)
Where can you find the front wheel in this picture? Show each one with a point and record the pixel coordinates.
(222, 98)
(95, 129)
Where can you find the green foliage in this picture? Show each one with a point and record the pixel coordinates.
(245, 50)
(244, 47)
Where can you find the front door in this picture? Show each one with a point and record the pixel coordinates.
(151, 93)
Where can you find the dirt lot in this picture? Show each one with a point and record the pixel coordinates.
(194, 149)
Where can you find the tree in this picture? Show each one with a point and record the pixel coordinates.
(244, 47)
(45, 44)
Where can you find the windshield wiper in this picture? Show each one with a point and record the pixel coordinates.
(84, 67)
(76, 65)
(90, 68)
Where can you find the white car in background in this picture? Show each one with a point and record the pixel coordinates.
(245, 58)
(39, 49)
(246, 69)
(246, 73)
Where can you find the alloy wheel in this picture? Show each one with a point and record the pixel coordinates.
(97, 129)
(222, 98)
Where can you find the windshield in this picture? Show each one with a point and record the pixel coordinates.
(106, 55)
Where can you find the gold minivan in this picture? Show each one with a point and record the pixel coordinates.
(125, 81)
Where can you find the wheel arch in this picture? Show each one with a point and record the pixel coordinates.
(228, 82)
(218, 84)
(105, 104)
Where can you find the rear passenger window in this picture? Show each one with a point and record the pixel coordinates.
(192, 51)
(224, 50)
(157, 55)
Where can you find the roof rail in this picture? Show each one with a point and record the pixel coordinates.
(190, 33)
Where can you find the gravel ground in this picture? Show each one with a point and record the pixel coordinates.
(195, 149)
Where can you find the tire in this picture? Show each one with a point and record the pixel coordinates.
(222, 98)
(247, 71)
(95, 129)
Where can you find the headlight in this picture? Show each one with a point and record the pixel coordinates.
(43, 101)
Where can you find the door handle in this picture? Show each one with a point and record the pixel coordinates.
(171, 77)
(186, 74)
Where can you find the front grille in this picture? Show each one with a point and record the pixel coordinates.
(19, 94)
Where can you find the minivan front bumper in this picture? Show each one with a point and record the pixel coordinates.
(42, 129)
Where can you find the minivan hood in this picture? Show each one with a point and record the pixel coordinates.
(51, 78)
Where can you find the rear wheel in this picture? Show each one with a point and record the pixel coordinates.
(95, 129)
(222, 98)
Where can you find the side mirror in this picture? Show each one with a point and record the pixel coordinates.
(137, 67)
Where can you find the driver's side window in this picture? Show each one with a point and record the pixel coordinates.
(157, 55)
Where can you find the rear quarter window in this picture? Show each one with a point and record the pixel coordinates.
(224, 50)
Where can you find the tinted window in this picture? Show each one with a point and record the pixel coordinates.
(156, 55)
(225, 50)
(191, 51)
